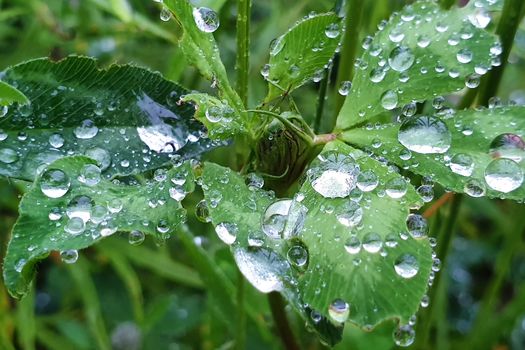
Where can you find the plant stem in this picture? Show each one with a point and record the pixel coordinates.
(444, 238)
(350, 47)
(321, 100)
(281, 321)
(513, 11)
(446, 4)
(242, 66)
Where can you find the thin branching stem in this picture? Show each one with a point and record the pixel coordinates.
(321, 100)
(281, 321)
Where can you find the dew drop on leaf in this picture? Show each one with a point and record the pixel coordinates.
(274, 218)
(389, 99)
(353, 245)
(372, 242)
(206, 19)
(339, 310)
(345, 87)
(462, 164)
(406, 266)
(227, 232)
(509, 146)
(8, 156)
(202, 212)
(503, 175)
(396, 187)
(425, 134)
(69, 256)
(101, 156)
(335, 177)
(349, 214)
(89, 175)
(87, 130)
(417, 226)
(136, 237)
(56, 140)
(262, 268)
(54, 183)
(298, 256)
(404, 335)
(474, 188)
(165, 14)
(80, 207)
(367, 181)
(401, 58)
(75, 226)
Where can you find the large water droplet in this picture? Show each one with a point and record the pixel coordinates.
(86, 130)
(367, 181)
(372, 242)
(335, 177)
(75, 226)
(417, 226)
(480, 18)
(275, 216)
(474, 188)
(509, 146)
(54, 183)
(69, 256)
(353, 245)
(202, 212)
(406, 266)
(89, 175)
(332, 30)
(339, 310)
(462, 164)
(298, 256)
(165, 14)
(206, 19)
(227, 232)
(349, 214)
(389, 99)
(101, 156)
(425, 134)
(404, 335)
(8, 156)
(401, 58)
(80, 207)
(503, 175)
(464, 56)
(396, 187)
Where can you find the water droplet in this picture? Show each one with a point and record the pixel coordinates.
(396, 187)
(89, 175)
(406, 266)
(115, 205)
(206, 19)
(227, 232)
(401, 58)
(335, 177)
(276, 45)
(136, 237)
(426, 193)
(503, 175)
(353, 245)
(367, 181)
(472, 81)
(98, 214)
(344, 88)
(389, 99)
(377, 74)
(8, 156)
(462, 164)
(54, 183)
(349, 214)
(101, 156)
(298, 256)
(262, 268)
(75, 226)
(165, 14)
(56, 140)
(55, 214)
(202, 212)
(404, 335)
(80, 207)
(425, 134)
(474, 188)
(255, 239)
(332, 30)
(509, 146)
(254, 181)
(339, 310)
(87, 130)
(19, 266)
(214, 114)
(480, 18)
(417, 226)
(372, 242)
(3, 111)
(69, 256)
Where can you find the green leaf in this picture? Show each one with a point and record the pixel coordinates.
(130, 115)
(365, 280)
(218, 117)
(9, 94)
(302, 53)
(201, 49)
(472, 133)
(416, 56)
(44, 224)
(237, 207)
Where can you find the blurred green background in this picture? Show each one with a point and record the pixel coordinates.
(153, 297)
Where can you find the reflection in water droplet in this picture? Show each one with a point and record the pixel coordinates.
(509, 146)
(462, 164)
(353, 245)
(54, 183)
(401, 58)
(406, 266)
(101, 156)
(404, 335)
(298, 256)
(69, 256)
(202, 211)
(417, 226)
(474, 188)
(136, 237)
(425, 134)
(339, 310)
(503, 175)
(206, 19)
(89, 175)
(227, 232)
(372, 242)
(8, 156)
(396, 187)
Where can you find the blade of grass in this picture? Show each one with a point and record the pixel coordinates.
(25, 321)
(86, 287)
(52, 340)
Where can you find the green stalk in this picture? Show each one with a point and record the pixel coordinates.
(321, 100)
(350, 47)
(444, 238)
(511, 247)
(242, 66)
(281, 321)
(446, 4)
(513, 11)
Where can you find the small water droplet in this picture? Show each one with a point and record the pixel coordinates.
(353, 245)
(227, 232)
(462, 164)
(54, 183)
(298, 256)
(165, 14)
(474, 188)
(69, 256)
(372, 242)
(339, 310)
(136, 237)
(367, 181)
(206, 19)
(344, 88)
(389, 99)
(332, 30)
(406, 266)
(87, 130)
(75, 226)
(56, 140)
